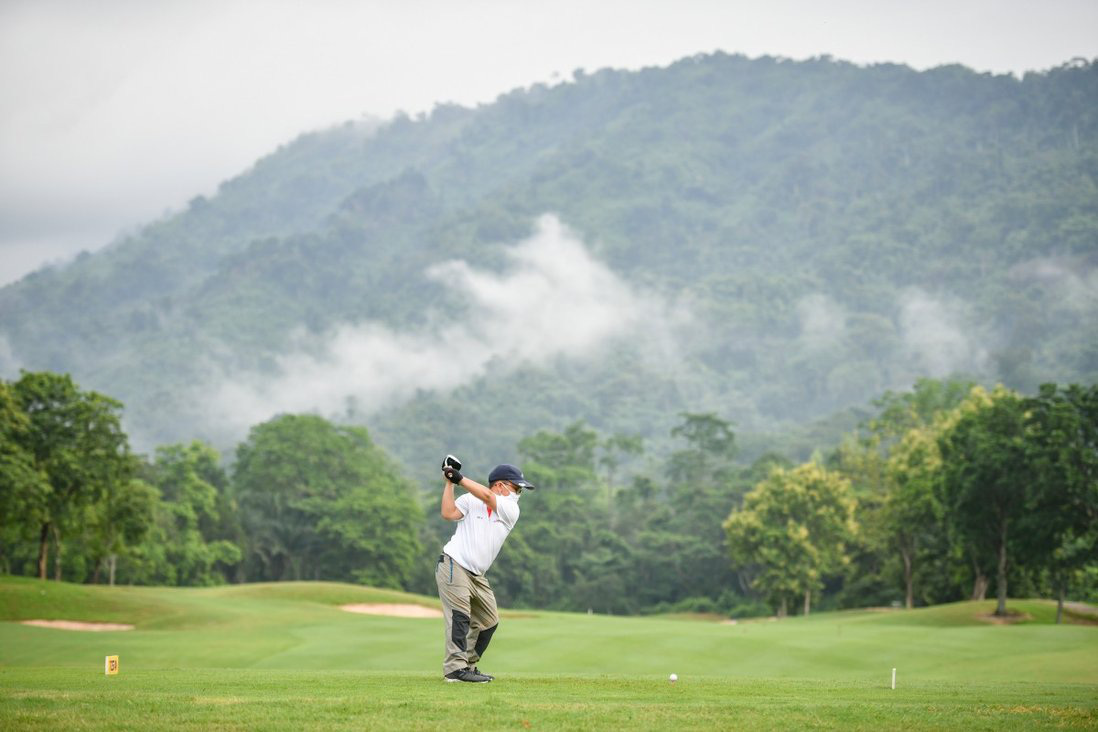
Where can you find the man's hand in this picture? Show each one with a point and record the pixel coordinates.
(451, 468)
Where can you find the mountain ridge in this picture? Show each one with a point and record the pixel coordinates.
(776, 196)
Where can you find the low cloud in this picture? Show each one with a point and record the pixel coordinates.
(823, 322)
(9, 362)
(935, 336)
(1074, 285)
(552, 300)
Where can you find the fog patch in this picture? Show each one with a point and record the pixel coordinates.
(1074, 286)
(9, 363)
(823, 322)
(935, 336)
(553, 299)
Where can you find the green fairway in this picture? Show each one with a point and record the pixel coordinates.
(228, 699)
(286, 656)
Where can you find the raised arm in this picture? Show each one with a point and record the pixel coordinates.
(450, 511)
(485, 495)
(453, 476)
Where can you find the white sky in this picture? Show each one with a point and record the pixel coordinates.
(113, 111)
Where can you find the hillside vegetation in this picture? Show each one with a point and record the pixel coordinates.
(812, 233)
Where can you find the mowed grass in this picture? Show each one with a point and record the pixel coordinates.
(285, 657)
(66, 698)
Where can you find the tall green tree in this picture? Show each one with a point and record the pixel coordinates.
(564, 460)
(710, 450)
(119, 523)
(612, 450)
(77, 443)
(860, 459)
(23, 486)
(912, 511)
(704, 486)
(901, 412)
(560, 541)
(986, 475)
(793, 530)
(891, 467)
(194, 542)
(1060, 524)
(904, 434)
(320, 501)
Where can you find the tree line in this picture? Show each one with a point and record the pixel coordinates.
(950, 482)
(304, 499)
(948, 490)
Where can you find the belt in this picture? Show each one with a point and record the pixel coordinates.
(443, 557)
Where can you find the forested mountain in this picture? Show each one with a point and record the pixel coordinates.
(768, 240)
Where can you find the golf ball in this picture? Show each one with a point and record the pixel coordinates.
(674, 678)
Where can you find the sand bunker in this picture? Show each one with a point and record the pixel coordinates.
(396, 611)
(77, 625)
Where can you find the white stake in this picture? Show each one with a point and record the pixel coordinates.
(893, 678)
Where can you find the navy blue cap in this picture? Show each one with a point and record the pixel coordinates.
(511, 474)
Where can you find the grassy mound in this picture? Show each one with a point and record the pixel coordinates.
(169, 608)
(299, 626)
(323, 593)
(149, 608)
(22, 598)
(960, 614)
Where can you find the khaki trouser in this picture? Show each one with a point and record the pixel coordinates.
(469, 613)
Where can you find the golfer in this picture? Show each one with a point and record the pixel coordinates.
(485, 516)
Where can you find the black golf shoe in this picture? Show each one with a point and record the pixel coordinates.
(467, 674)
(490, 677)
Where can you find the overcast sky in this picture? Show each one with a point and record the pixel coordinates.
(114, 111)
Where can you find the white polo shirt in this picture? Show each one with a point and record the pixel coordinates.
(480, 531)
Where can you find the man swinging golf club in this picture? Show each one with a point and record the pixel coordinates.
(485, 516)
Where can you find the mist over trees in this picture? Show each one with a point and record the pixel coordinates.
(819, 233)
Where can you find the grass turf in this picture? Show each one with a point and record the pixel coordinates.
(67, 698)
(284, 656)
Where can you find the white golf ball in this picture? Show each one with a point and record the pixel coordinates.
(674, 678)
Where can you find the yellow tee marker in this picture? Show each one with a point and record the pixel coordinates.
(111, 666)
